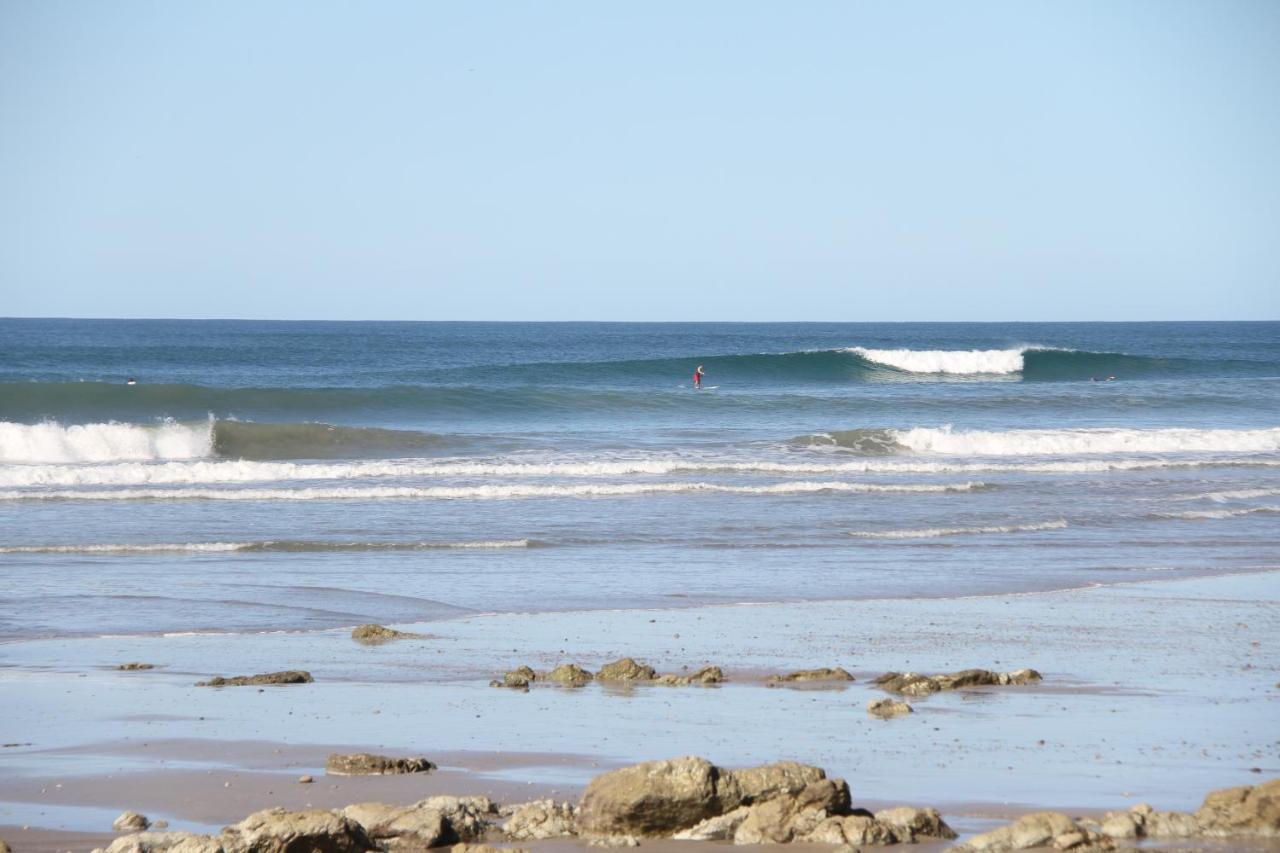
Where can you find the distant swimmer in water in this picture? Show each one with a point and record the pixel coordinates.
(131, 381)
(697, 376)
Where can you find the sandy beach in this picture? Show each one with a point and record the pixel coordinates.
(1152, 692)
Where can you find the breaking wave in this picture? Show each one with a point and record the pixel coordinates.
(938, 532)
(1049, 442)
(1220, 513)
(269, 546)
(491, 492)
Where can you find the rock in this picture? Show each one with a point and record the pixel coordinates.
(823, 674)
(719, 828)
(305, 780)
(706, 675)
(1247, 810)
(517, 679)
(280, 831)
(364, 764)
(134, 667)
(655, 798)
(130, 822)
(912, 824)
(626, 670)
(540, 819)
(485, 848)
(468, 817)
(1170, 825)
(772, 780)
(4, 847)
(887, 709)
(915, 684)
(1041, 829)
(571, 674)
(160, 824)
(1122, 825)
(292, 676)
(373, 635)
(166, 842)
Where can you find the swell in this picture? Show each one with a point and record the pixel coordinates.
(288, 546)
(1046, 442)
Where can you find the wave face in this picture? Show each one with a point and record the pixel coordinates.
(1049, 442)
(51, 443)
(946, 361)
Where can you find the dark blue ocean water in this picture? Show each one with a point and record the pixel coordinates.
(265, 475)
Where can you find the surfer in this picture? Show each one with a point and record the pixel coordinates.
(697, 377)
(131, 381)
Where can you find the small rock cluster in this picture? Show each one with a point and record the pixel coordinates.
(915, 684)
(134, 667)
(805, 675)
(372, 635)
(365, 764)
(887, 709)
(292, 676)
(624, 670)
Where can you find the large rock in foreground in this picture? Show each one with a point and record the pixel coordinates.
(291, 676)
(1247, 810)
(655, 798)
(915, 684)
(365, 764)
(280, 831)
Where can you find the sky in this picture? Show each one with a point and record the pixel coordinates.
(738, 160)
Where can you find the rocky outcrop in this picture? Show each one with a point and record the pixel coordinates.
(706, 675)
(887, 709)
(4, 847)
(1041, 829)
(164, 842)
(691, 799)
(915, 684)
(280, 831)
(570, 674)
(626, 669)
(365, 764)
(130, 822)
(1244, 812)
(135, 667)
(292, 676)
(540, 819)
(372, 635)
(823, 674)
(516, 679)
(432, 822)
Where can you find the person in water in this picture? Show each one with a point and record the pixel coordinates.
(697, 377)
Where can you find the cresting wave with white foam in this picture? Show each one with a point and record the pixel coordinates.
(495, 492)
(1209, 514)
(110, 442)
(957, 362)
(265, 546)
(1072, 442)
(939, 532)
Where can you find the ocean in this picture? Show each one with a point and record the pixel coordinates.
(292, 476)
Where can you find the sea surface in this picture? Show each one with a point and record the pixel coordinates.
(271, 476)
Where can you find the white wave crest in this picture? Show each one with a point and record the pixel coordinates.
(178, 473)
(109, 442)
(270, 545)
(988, 361)
(1236, 495)
(492, 492)
(1220, 513)
(1067, 442)
(938, 532)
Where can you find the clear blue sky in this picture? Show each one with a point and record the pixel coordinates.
(641, 161)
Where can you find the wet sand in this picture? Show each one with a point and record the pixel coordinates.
(1155, 692)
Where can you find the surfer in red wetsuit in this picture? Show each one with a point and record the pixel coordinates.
(697, 377)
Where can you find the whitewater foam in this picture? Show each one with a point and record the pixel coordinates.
(264, 546)
(1220, 513)
(490, 492)
(938, 532)
(107, 442)
(974, 362)
(1236, 495)
(1069, 442)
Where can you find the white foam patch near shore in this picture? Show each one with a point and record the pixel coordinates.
(108, 442)
(495, 492)
(1235, 495)
(939, 532)
(977, 362)
(177, 473)
(1070, 442)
